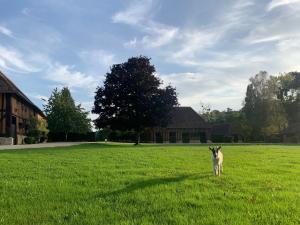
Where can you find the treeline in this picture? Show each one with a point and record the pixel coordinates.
(270, 112)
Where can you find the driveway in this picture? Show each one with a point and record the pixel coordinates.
(42, 145)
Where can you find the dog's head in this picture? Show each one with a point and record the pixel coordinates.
(215, 151)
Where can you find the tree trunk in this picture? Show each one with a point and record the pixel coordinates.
(66, 137)
(138, 138)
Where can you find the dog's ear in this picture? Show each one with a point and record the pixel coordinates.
(210, 148)
(219, 147)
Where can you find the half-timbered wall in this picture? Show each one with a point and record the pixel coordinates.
(2, 114)
(14, 115)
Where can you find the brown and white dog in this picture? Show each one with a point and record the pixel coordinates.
(217, 159)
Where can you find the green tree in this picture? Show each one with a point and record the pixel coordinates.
(289, 94)
(132, 99)
(37, 130)
(64, 116)
(263, 112)
(216, 116)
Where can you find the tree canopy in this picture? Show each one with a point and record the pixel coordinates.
(216, 116)
(263, 111)
(289, 94)
(132, 98)
(64, 116)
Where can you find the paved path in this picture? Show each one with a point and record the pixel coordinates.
(42, 145)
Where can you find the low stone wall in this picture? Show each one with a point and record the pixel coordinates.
(6, 141)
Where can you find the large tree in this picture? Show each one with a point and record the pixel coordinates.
(289, 94)
(64, 116)
(132, 98)
(216, 116)
(263, 111)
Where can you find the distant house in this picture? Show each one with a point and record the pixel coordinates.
(15, 110)
(226, 132)
(185, 126)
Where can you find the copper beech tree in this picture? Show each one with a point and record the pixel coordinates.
(132, 98)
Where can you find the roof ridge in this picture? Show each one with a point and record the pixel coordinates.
(17, 91)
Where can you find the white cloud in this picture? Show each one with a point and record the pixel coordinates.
(191, 43)
(13, 60)
(66, 75)
(87, 105)
(138, 14)
(39, 97)
(98, 57)
(131, 44)
(289, 45)
(264, 39)
(26, 11)
(279, 36)
(216, 89)
(158, 35)
(277, 3)
(4, 30)
(270, 30)
(134, 13)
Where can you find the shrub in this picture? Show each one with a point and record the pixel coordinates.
(29, 140)
(221, 139)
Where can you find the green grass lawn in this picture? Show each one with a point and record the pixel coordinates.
(150, 184)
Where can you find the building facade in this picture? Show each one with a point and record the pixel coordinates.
(185, 126)
(15, 110)
(226, 133)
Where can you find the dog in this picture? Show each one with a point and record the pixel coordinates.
(217, 159)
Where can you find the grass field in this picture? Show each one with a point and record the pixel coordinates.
(150, 184)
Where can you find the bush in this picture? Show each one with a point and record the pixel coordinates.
(29, 140)
(60, 137)
(43, 139)
(221, 139)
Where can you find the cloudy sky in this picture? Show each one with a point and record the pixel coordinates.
(206, 49)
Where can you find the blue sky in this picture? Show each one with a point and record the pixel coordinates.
(206, 49)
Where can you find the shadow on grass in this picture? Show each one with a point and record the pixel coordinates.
(152, 182)
(63, 149)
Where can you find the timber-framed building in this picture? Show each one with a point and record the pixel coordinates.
(15, 110)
